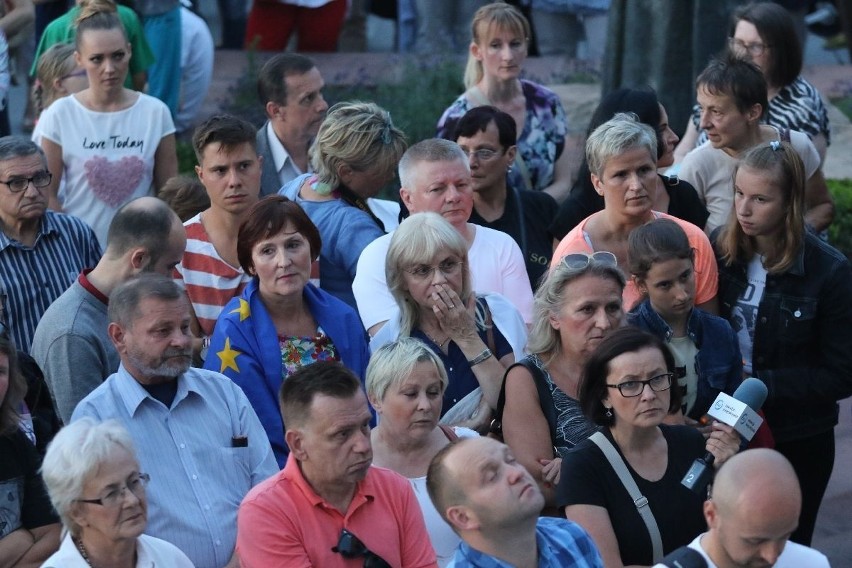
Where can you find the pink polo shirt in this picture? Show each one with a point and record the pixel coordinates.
(283, 522)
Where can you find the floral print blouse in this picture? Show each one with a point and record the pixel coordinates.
(297, 352)
(541, 142)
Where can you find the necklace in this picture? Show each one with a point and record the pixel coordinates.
(440, 344)
(82, 550)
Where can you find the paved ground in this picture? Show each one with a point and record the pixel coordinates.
(829, 71)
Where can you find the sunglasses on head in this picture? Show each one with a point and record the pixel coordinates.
(350, 546)
(580, 260)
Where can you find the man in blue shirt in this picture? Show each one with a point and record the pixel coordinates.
(195, 431)
(493, 503)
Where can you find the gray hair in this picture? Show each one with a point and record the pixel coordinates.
(543, 339)
(18, 147)
(622, 133)
(393, 362)
(359, 135)
(74, 456)
(125, 299)
(417, 241)
(429, 150)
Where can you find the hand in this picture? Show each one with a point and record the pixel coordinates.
(454, 318)
(723, 443)
(705, 429)
(550, 470)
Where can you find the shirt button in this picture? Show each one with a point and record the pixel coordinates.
(797, 313)
(182, 446)
(218, 543)
(206, 507)
(763, 319)
(194, 477)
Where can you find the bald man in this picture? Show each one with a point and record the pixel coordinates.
(493, 503)
(753, 511)
(71, 344)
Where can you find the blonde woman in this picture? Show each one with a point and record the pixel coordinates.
(110, 144)
(353, 156)
(500, 39)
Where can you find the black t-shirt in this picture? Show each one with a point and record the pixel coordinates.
(587, 478)
(584, 200)
(23, 498)
(526, 218)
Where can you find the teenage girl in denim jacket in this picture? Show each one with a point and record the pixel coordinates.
(788, 296)
(706, 351)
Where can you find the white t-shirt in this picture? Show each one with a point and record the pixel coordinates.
(794, 556)
(495, 262)
(150, 552)
(108, 157)
(684, 352)
(710, 171)
(744, 313)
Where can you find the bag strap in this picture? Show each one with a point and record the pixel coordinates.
(641, 502)
(448, 432)
(545, 398)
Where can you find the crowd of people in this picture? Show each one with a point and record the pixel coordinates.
(266, 365)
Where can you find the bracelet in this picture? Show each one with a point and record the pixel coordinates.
(484, 356)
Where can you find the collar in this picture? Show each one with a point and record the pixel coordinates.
(798, 267)
(280, 155)
(133, 395)
(365, 490)
(90, 288)
(47, 226)
(659, 325)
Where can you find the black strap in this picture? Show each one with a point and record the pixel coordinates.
(545, 399)
(349, 196)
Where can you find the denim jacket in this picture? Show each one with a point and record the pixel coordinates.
(718, 364)
(802, 347)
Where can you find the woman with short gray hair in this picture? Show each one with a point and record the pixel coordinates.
(96, 487)
(575, 307)
(622, 158)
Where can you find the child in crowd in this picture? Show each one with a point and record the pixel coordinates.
(705, 348)
(185, 195)
(58, 75)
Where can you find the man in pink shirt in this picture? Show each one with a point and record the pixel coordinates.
(329, 507)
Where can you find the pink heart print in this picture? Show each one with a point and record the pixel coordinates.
(114, 182)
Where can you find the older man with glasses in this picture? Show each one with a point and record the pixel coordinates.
(41, 251)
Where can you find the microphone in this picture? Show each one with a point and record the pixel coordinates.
(683, 557)
(739, 412)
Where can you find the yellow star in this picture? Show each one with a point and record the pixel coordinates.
(228, 357)
(243, 310)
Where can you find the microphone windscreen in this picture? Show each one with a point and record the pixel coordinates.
(753, 392)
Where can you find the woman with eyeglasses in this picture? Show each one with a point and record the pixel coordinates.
(500, 36)
(29, 529)
(626, 389)
(98, 490)
(765, 34)
(576, 306)
(108, 143)
(622, 158)
(475, 336)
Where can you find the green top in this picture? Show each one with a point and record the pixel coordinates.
(62, 30)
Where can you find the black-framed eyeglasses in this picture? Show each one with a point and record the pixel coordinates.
(19, 184)
(629, 389)
(135, 484)
(350, 546)
(754, 49)
(580, 260)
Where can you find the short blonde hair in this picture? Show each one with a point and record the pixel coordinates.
(417, 241)
(618, 135)
(497, 15)
(393, 362)
(357, 134)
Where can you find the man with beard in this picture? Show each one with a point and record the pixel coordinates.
(71, 344)
(194, 430)
(328, 506)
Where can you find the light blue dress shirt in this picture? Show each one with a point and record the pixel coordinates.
(198, 476)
